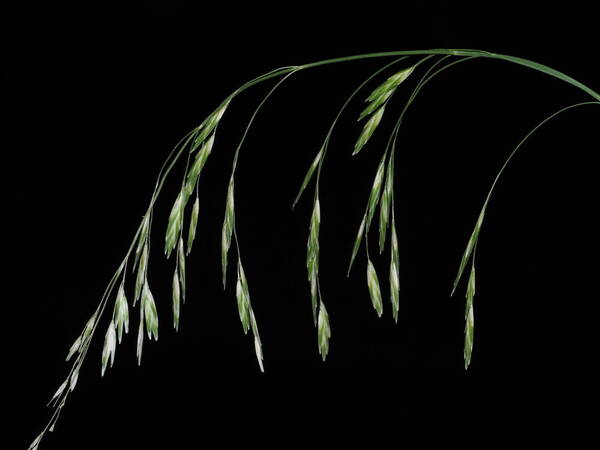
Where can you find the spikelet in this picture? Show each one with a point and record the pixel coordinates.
(141, 273)
(142, 238)
(469, 249)
(181, 267)
(376, 107)
(175, 222)
(357, 241)
(140, 337)
(209, 125)
(394, 271)
(228, 224)
(309, 174)
(197, 166)
(469, 319)
(247, 317)
(74, 348)
(312, 255)
(176, 299)
(110, 345)
(374, 197)
(150, 313)
(323, 331)
(385, 205)
(368, 130)
(193, 225)
(374, 290)
(121, 313)
(243, 298)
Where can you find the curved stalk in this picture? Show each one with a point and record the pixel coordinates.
(246, 311)
(472, 244)
(471, 249)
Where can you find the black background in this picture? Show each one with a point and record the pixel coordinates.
(97, 97)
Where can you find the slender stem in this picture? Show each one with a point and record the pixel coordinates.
(527, 136)
(519, 145)
(249, 125)
(237, 150)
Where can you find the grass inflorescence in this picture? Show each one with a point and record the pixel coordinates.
(197, 146)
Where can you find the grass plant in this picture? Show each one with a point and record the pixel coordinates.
(113, 310)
